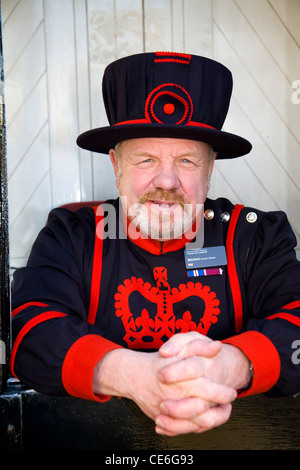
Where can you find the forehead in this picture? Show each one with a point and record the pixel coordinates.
(163, 146)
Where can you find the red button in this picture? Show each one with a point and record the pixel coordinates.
(169, 108)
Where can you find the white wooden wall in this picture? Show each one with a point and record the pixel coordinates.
(55, 52)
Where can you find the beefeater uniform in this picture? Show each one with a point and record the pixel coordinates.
(84, 293)
(81, 296)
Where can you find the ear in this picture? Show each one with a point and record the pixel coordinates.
(212, 163)
(114, 161)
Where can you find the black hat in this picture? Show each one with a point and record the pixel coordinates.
(166, 94)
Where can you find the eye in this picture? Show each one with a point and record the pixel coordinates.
(145, 162)
(187, 162)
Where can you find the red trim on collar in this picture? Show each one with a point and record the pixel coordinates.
(156, 247)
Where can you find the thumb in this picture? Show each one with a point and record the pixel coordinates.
(189, 344)
(201, 348)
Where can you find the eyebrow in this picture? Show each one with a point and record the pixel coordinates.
(144, 154)
(186, 154)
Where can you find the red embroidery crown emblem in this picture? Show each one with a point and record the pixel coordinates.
(147, 333)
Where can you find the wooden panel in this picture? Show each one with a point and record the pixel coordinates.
(54, 68)
(23, 19)
(7, 8)
(278, 38)
(288, 12)
(261, 108)
(17, 92)
(65, 423)
(22, 193)
(26, 125)
(198, 27)
(33, 217)
(27, 116)
(62, 97)
(177, 23)
(114, 29)
(83, 96)
(158, 33)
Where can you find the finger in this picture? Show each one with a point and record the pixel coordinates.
(202, 388)
(188, 344)
(185, 369)
(193, 371)
(214, 417)
(176, 428)
(187, 408)
(200, 347)
(178, 341)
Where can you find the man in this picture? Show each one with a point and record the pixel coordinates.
(163, 296)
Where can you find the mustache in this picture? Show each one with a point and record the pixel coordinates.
(171, 195)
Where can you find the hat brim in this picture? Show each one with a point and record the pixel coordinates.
(102, 139)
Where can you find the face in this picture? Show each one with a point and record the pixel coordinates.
(163, 183)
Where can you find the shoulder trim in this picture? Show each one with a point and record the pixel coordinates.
(97, 264)
(28, 327)
(232, 272)
(24, 306)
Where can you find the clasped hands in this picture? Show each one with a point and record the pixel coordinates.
(187, 386)
(200, 378)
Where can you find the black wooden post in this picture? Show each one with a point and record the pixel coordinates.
(4, 237)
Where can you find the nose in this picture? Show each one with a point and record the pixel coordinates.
(166, 178)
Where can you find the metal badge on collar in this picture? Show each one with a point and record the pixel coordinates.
(251, 217)
(209, 214)
(225, 217)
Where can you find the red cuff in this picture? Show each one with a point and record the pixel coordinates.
(79, 364)
(264, 357)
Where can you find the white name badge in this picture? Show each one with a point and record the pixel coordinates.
(205, 257)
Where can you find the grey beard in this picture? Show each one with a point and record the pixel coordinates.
(162, 226)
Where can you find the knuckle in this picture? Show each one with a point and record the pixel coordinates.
(190, 368)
